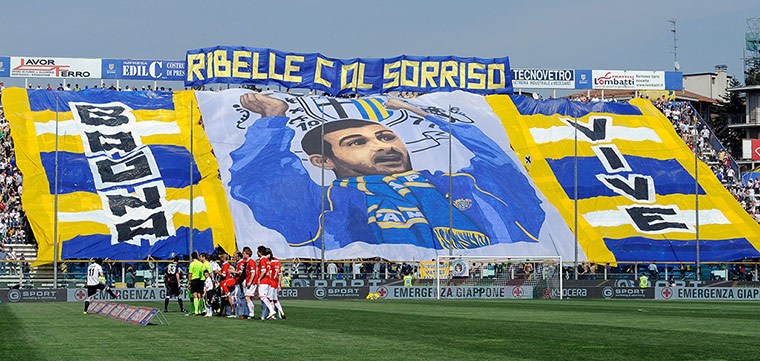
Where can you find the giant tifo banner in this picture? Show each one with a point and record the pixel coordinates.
(635, 176)
(245, 65)
(386, 177)
(124, 171)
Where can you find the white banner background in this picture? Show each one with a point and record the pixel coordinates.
(226, 133)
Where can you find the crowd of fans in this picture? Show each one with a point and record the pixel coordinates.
(697, 134)
(12, 217)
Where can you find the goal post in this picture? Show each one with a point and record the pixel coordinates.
(497, 277)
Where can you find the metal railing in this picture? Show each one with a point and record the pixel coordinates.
(139, 274)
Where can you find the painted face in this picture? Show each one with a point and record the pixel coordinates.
(368, 150)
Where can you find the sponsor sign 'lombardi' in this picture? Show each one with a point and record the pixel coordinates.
(625, 79)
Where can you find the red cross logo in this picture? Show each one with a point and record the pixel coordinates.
(518, 292)
(666, 293)
(80, 294)
(382, 291)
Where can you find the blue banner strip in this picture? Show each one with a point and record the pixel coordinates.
(636, 249)
(569, 108)
(261, 66)
(76, 176)
(44, 99)
(99, 245)
(668, 175)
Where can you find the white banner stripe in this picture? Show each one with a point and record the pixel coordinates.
(614, 218)
(181, 206)
(143, 128)
(555, 134)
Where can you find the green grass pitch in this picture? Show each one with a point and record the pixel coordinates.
(398, 330)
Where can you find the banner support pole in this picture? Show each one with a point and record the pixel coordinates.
(575, 199)
(322, 216)
(191, 174)
(55, 211)
(451, 191)
(696, 192)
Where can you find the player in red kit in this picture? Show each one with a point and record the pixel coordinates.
(229, 276)
(226, 280)
(275, 276)
(249, 285)
(264, 282)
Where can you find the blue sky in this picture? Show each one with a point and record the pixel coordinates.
(542, 34)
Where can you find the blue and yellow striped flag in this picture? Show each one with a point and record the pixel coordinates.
(123, 170)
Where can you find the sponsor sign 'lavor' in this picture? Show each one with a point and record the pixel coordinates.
(49, 67)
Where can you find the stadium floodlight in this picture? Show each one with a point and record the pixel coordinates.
(496, 277)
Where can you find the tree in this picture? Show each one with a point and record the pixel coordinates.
(730, 106)
(752, 76)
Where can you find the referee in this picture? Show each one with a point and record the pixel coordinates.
(195, 285)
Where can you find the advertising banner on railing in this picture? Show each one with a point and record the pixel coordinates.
(543, 78)
(50, 67)
(628, 79)
(144, 69)
(124, 169)
(427, 74)
(634, 181)
(386, 178)
(5, 66)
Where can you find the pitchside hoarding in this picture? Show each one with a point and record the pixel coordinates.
(52, 67)
(453, 292)
(708, 293)
(33, 295)
(126, 294)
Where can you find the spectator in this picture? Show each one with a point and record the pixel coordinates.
(653, 272)
(129, 278)
(25, 271)
(332, 270)
(2, 257)
(11, 256)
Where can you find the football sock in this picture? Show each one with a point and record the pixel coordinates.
(250, 307)
(86, 305)
(279, 308)
(166, 303)
(110, 292)
(180, 303)
(267, 302)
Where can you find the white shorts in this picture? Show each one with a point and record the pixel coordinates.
(250, 291)
(272, 295)
(264, 290)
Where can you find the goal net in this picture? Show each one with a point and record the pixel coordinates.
(491, 277)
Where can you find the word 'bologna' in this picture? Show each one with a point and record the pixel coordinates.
(244, 65)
